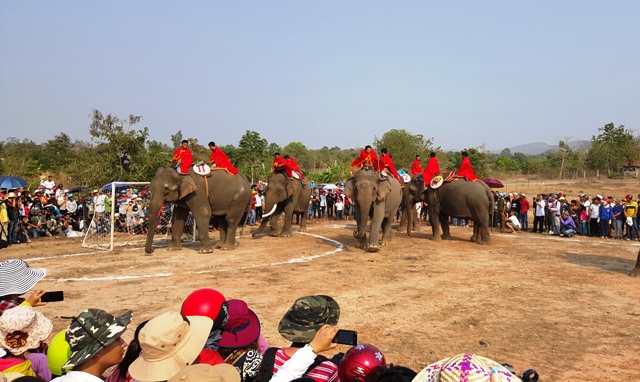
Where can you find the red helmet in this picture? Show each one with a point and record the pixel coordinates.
(206, 302)
(358, 362)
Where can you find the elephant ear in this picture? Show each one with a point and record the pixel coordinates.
(348, 188)
(187, 185)
(290, 186)
(384, 187)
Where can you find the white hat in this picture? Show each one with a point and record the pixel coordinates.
(16, 277)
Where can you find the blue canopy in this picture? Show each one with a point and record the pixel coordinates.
(122, 186)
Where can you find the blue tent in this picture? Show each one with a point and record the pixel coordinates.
(123, 186)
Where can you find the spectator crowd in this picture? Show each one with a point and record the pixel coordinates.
(211, 338)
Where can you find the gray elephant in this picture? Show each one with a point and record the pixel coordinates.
(284, 195)
(405, 207)
(376, 199)
(224, 197)
(459, 199)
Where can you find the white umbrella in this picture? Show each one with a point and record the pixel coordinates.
(329, 187)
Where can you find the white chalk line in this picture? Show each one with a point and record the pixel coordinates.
(301, 259)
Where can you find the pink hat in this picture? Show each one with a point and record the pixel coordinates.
(242, 328)
(22, 328)
(465, 367)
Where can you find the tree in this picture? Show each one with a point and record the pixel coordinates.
(176, 139)
(478, 161)
(301, 154)
(507, 164)
(506, 153)
(404, 146)
(612, 149)
(251, 150)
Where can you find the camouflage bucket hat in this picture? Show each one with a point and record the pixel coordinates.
(306, 316)
(92, 331)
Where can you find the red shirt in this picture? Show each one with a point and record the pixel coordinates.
(327, 371)
(210, 357)
(388, 162)
(416, 168)
(222, 160)
(295, 167)
(524, 206)
(466, 171)
(366, 159)
(432, 169)
(279, 161)
(184, 157)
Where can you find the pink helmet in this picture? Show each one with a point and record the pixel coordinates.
(358, 362)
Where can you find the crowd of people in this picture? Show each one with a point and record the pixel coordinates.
(606, 217)
(211, 338)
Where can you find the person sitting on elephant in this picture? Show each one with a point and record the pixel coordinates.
(432, 169)
(294, 165)
(219, 160)
(182, 158)
(416, 167)
(386, 163)
(367, 158)
(280, 164)
(465, 170)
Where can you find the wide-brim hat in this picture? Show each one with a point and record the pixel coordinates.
(242, 328)
(306, 316)
(170, 342)
(93, 330)
(222, 372)
(465, 367)
(22, 328)
(16, 277)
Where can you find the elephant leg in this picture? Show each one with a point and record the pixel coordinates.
(434, 218)
(288, 217)
(475, 237)
(387, 232)
(202, 224)
(303, 222)
(484, 237)
(376, 225)
(227, 238)
(179, 215)
(444, 224)
(275, 224)
(262, 228)
(220, 223)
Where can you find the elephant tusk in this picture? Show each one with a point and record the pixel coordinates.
(270, 212)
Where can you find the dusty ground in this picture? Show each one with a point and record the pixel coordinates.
(564, 307)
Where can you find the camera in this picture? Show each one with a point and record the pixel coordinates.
(528, 376)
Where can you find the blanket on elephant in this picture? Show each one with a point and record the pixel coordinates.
(221, 160)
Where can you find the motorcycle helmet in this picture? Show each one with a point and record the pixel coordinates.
(209, 303)
(58, 353)
(358, 362)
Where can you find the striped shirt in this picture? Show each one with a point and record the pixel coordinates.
(327, 371)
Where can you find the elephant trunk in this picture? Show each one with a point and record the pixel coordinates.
(410, 216)
(154, 209)
(273, 209)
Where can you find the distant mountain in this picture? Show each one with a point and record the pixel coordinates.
(537, 148)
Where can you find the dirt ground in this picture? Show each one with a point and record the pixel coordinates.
(562, 306)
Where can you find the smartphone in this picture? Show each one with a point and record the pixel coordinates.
(346, 337)
(52, 296)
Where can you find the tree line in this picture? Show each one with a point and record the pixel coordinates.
(76, 162)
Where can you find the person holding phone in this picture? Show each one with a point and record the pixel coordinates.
(300, 325)
(16, 279)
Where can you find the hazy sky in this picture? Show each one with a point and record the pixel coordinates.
(325, 73)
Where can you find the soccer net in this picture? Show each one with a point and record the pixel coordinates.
(119, 216)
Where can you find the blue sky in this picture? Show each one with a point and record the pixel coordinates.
(467, 73)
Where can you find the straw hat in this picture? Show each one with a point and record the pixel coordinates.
(203, 372)
(169, 342)
(22, 328)
(465, 367)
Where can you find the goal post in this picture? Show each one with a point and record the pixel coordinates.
(119, 217)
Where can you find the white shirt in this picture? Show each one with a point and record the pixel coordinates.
(99, 202)
(540, 204)
(258, 200)
(49, 185)
(339, 205)
(514, 221)
(77, 376)
(594, 211)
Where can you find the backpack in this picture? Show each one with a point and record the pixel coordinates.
(265, 373)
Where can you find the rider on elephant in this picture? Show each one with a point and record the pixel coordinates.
(416, 167)
(294, 165)
(432, 169)
(386, 163)
(367, 158)
(465, 170)
(280, 164)
(219, 160)
(182, 158)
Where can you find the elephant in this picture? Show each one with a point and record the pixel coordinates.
(376, 199)
(288, 195)
(404, 207)
(460, 199)
(224, 197)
